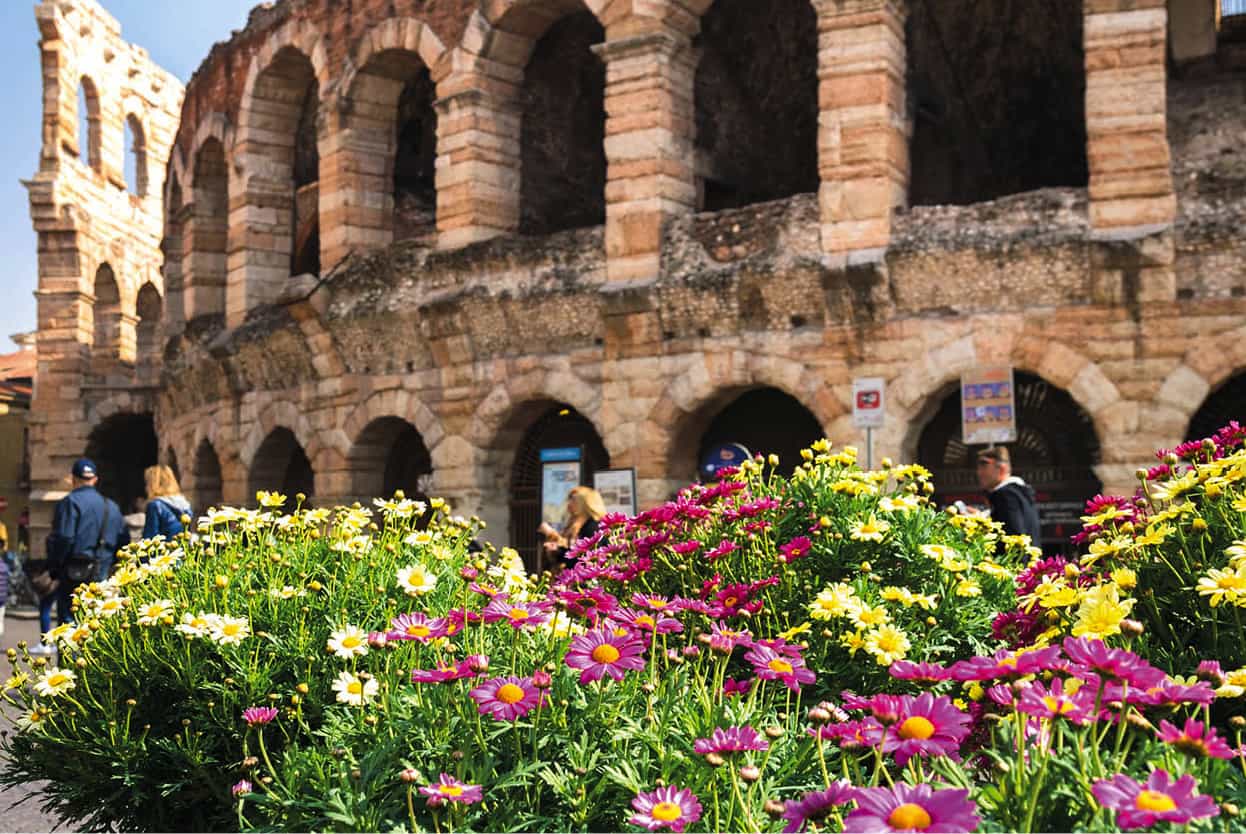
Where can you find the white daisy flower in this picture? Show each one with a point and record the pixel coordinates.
(351, 689)
(228, 631)
(55, 682)
(416, 580)
(348, 642)
(152, 613)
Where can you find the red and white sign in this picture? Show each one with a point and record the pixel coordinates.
(867, 402)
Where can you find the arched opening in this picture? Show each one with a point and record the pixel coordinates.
(756, 92)
(283, 134)
(106, 327)
(764, 421)
(390, 455)
(206, 482)
(122, 446)
(562, 134)
(147, 334)
(281, 465)
(208, 232)
(546, 425)
(1225, 404)
(171, 247)
(89, 146)
(1055, 452)
(136, 158)
(996, 97)
(415, 187)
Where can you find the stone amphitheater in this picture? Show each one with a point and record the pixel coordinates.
(388, 244)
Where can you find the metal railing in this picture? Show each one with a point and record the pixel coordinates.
(1229, 8)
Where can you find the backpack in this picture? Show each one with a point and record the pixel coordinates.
(84, 567)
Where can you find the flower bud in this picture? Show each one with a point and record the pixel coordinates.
(542, 679)
(691, 651)
(1237, 722)
(302, 689)
(479, 663)
(1132, 628)
(250, 762)
(774, 732)
(1230, 810)
(818, 715)
(749, 773)
(410, 775)
(774, 808)
(714, 760)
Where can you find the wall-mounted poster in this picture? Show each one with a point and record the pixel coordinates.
(988, 406)
(560, 473)
(618, 489)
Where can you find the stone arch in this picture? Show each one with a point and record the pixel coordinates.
(122, 443)
(107, 319)
(280, 414)
(691, 400)
(388, 113)
(500, 405)
(136, 129)
(206, 231)
(281, 463)
(149, 308)
(395, 402)
(87, 114)
(274, 200)
(206, 477)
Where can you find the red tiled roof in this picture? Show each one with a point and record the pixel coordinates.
(18, 365)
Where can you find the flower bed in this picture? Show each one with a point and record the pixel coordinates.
(762, 654)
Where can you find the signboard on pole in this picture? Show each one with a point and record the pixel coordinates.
(988, 406)
(722, 456)
(618, 489)
(560, 473)
(867, 402)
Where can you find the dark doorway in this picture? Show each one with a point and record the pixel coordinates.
(996, 96)
(206, 481)
(305, 257)
(1223, 405)
(390, 455)
(415, 188)
(282, 466)
(558, 427)
(562, 136)
(765, 421)
(1055, 451)
(756, 92)
(122, 446)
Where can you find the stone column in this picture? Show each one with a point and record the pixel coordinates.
(477, 162)
(1126, 108)
(863, 154)
(649, 147)
(356, 182)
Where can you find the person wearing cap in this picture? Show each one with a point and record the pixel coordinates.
(1013, 502)
(85, 524)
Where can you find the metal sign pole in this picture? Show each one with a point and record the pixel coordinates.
(869, 448)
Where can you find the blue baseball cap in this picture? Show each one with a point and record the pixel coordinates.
(84, 468)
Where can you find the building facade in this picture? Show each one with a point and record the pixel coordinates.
(410, 244)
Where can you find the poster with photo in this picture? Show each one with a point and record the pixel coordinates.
(618, 489)
(988, 406)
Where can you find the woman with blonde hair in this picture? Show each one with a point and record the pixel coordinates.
(166, 505)
(584, 510)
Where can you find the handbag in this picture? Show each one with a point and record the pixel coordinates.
(44, 583)
(83, 567)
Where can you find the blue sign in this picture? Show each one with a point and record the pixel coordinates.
(723, 455)
(560, 455)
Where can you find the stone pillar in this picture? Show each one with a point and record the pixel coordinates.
(863, 154)
(478, 173)
(649, 147)
(356, 180)
(1126, 109)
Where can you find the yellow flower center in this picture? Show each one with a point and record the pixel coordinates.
(230, 629)
(779, 665)
(605, 653)
(350, 642)
(909, 815)
(355, 687)
(917, 727)
(666, 812)
(419, 630)
(1154, 801)
(450, 790)
(57, 679)
(646, 620)
(1057, 705)
(517, 614)
(510, 694)
(730, 601)
(657, 603)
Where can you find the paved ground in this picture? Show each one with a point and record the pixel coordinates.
(19, 807)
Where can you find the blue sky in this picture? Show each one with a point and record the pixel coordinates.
(176, 33)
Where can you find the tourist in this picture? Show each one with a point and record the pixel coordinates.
(166, 506)
(1013, 502)
(87, 531)
(584, 510)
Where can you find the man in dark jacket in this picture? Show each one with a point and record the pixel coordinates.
(85, 524)
(1012, 500)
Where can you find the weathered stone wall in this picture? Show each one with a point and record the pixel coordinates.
(1125, 292)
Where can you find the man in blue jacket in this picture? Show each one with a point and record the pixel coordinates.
(85, 524)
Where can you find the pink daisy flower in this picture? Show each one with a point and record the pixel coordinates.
(507, 699)
(655, 602)
(1053, 702)
(911, 808)
(258, 715)
(647, 621)
(667, 807)
(1195, 740)
(734, 688)
(852, 735)
(443, 673)
(907, 670)
(930, 725)
(1158, 800)
(448, 789)
(722, 550)
(731, 740)
(770, 665)
(487, 590)
(815, 806)
(416, 626)
(591, 604)
(240, 787)
(1007, 665)
(518, 614)
(600, 652)
(1164, 693)
(1094, 656)
(723, 638)
(795, 549)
